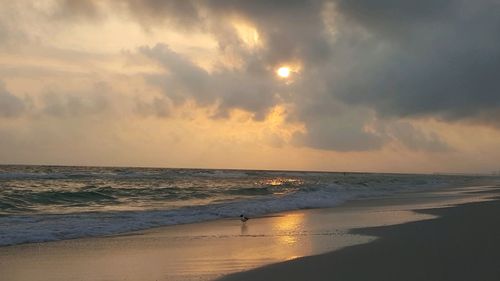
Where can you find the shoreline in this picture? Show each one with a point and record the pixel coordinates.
(460, 243)
(92, 218)
(209, 250)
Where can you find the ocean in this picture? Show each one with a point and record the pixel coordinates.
(48, 203)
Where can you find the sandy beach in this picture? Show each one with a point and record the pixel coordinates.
(316, 244)
(461, 243)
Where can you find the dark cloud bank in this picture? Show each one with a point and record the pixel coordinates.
(361, 60)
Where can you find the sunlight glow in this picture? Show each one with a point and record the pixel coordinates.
(248, 34)
(283, 71)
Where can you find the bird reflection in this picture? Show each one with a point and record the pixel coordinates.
(243, 229)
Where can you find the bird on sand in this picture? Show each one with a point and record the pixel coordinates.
(243, 218)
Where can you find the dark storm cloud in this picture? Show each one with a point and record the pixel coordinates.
(442, 59)
(397, 18)
(392, 58)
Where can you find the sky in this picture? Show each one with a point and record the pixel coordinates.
(334, 85)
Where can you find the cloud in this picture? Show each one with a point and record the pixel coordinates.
(360, 61)
(82, 102)
(181, 13)
(330, 134)
(10, 105)
(290, 29)
(348, 68)
(58, 102)
(439, 59)
(415, 138)
(11, 32)
(77, 9)
(397, 18)
(158, 107)
(250, 89)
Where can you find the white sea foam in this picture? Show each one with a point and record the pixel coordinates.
(40, 228)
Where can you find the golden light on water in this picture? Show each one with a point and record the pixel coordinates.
(288, 227)
(282, 181)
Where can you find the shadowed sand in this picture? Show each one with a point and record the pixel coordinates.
(463, 243)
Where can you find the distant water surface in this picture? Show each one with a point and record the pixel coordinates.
(46, 203)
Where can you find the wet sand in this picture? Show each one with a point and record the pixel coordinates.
(461, 243)
(210, 250)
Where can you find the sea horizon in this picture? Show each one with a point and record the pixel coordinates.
(492, 173)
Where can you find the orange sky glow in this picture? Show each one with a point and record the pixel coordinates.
(121, 83)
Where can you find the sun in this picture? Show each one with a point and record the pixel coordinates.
(283, 71)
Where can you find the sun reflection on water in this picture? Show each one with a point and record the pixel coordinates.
(289, 228)
(282, 181)
(281, 185)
